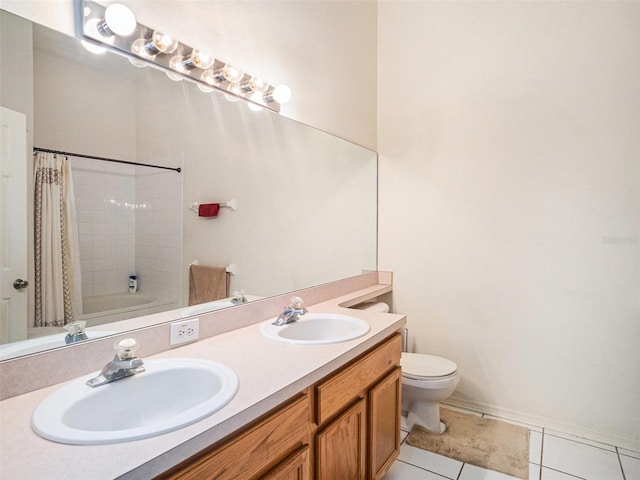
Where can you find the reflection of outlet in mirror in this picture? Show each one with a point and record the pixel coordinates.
(186, 331)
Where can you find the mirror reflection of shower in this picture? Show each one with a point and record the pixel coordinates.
(128, 223)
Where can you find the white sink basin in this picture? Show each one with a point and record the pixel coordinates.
(317, 329)
(169, 395)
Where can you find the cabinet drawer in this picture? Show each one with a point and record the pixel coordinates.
(340, 390)
(261, 447)
(295, 467)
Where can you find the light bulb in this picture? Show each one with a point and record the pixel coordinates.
(257, 84)
(208, 76)
(205, 89)
(138, 47)
(198, 58)
(164, 43)
(158, 43)
(174, 76)
(137, 63)
(90, 47)
(235, 89)
(118, 20)
(201, 58)
(177, 63)
(281, 94)
(232, 74)
(256, 97)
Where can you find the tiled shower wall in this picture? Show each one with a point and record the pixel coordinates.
(129, 223)
(105, 206)
(158, 229)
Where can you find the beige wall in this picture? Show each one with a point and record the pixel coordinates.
(62, 122)
(509, 202)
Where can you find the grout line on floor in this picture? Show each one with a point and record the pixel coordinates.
(624, 477)
(425, 470)
(581, 441)
(560, 471)
(541, 453)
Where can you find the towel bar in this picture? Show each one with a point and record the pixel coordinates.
(231, 205)
(232, 268)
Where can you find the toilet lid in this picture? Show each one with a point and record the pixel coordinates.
(421, 365)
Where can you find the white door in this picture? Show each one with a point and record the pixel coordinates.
(13, 226)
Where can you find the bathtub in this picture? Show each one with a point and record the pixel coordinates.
(101, 309)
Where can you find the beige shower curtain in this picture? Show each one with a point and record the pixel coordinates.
(58, 294)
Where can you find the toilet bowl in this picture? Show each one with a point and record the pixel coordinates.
(426, 381)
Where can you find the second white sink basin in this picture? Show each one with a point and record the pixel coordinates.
(170, 394)
(317, 329)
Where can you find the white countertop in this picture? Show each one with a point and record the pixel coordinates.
(269, 372)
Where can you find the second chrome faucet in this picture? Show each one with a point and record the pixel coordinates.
(292, 312)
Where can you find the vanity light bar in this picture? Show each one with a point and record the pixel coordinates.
(180, 61)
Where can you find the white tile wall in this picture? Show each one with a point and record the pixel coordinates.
(105, 203)
(159, 233)
(129, 222)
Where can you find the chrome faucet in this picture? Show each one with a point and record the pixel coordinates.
(124, 364)
(76, 332)
(291, 313)
(238, 297)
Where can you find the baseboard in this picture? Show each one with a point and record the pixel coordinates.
(544, 422)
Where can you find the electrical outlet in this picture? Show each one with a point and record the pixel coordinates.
(182, 332)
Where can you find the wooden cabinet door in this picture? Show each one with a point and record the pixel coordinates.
(341, 446)
(296, 467)
(384, 424)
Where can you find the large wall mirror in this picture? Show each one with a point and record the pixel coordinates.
(305, 201)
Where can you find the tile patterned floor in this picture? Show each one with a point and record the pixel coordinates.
(552, 456)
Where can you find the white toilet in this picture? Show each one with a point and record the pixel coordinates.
(426, 381)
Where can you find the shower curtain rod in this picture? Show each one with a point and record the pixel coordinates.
(47, 150)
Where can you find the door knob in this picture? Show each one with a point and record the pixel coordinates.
(19, 284)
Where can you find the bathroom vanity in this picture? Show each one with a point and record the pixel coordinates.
(345, 426)
(301, 411)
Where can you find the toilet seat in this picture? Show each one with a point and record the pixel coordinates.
(420, 366)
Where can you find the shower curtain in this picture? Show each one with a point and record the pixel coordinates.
(58, 294)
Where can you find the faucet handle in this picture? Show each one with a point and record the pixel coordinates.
(126, 348)
(296, 302)
(76, 327)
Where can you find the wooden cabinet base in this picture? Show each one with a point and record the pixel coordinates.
(346, 427)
